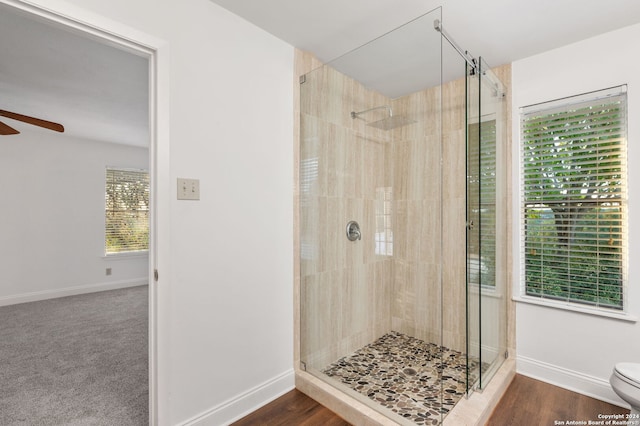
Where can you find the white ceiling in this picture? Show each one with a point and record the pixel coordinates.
(500, 31)
(100, 92)
(96, 91)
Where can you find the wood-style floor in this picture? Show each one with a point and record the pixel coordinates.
(292, 409)
(527, 402)
(531, 402)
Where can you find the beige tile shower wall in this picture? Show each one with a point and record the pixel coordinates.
(422, 307)
(303, 63)
(429, 216)
(344, 286)
(416, 217)
(454, 216)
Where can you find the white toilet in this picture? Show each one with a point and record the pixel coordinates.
(625, 381)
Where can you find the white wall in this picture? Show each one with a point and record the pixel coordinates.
(52, 216)
(572, 349)
(225, 293)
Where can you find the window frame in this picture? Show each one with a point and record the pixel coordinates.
(565, 104)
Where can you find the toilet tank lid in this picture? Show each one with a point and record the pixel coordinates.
(630, 370)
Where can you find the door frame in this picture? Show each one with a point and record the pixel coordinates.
(90, 25)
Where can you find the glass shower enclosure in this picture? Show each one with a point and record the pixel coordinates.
(401, 299)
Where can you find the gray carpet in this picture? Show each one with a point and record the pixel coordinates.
(79, 360)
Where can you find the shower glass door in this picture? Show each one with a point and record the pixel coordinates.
(486, 308)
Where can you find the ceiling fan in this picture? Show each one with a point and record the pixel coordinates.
(8, 130)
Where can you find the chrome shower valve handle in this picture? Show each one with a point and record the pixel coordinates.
(353, 231)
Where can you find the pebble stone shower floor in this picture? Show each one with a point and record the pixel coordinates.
(402, 373)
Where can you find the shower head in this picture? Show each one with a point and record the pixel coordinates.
(388, 123)
(391, 122)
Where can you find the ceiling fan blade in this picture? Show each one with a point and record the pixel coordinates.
(32, 120)
(7, 130)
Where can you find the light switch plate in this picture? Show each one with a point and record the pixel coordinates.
(188, 189)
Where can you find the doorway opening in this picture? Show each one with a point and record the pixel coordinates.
(88, 132)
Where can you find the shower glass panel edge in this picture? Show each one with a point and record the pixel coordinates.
(493, 285)
(473, 227)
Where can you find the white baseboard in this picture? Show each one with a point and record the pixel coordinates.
(239, 406)
(575, 381)
(70, 291)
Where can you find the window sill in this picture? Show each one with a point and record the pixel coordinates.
(566, 306)
(126, 255)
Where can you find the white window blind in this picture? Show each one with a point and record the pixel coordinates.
(574, 199)
(127, 211)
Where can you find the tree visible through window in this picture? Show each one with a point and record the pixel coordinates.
(127, 211)
(574, 199)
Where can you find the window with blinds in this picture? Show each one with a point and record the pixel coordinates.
(574, 199)
(126, 211)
